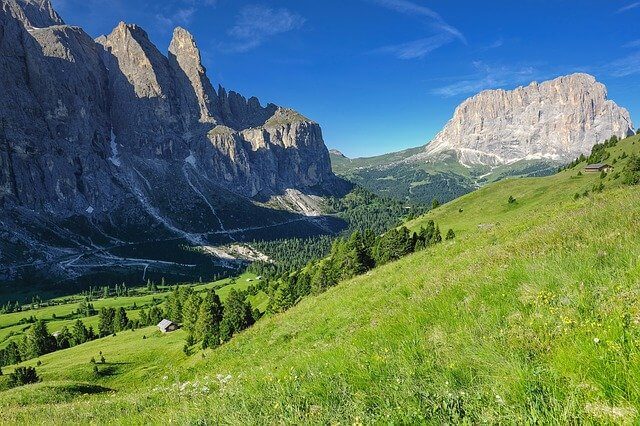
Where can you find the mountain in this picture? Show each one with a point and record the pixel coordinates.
(523, 318)
(110, 149)
(528, 131)
(555, 120)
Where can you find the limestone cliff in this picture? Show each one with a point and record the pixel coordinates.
(554, 120)
(110, 141)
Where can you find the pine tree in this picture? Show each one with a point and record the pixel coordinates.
(121, 321)
(283, 298)
(64, 339)
(174, 305)
(144, 318)
(155, 315)
(209, 318)
(38, 341)
(79, 333)
(450, 235)
(237, 313)
(190, 312)
(106, 321)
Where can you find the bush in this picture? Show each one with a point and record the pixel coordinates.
(450, 235)
(23, 376)
(512, 200)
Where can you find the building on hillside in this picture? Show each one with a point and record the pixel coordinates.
(167, 326)
(598, 167)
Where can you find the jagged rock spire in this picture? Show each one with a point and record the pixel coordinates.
(33, 13)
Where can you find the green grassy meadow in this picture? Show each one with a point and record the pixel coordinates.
(531, 315)
(59, 316)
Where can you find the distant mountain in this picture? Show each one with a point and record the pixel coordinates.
(109, 146)
(528, 131)
(556, 120)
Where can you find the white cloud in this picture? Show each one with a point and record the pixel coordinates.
(488, 77)
(167, 22)
(416, 49)
(624, 67)
(632, 44)
(410, 8)
(629, 7)
(256, 24)
(444, 33)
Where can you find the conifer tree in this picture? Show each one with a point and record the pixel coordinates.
(106, 323)
(38, 341)
(209, 318)
(190, 312)
(121, 321)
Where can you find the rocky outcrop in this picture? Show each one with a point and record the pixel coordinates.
(33, 13)
(556, 120)
(132, 143)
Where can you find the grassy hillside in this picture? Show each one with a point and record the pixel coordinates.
(418, 181)
(13, 325)
(531, 315)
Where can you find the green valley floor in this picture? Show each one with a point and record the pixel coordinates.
(531, 315)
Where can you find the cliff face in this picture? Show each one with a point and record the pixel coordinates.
(555, 120)
(128, 138)
(86, 107)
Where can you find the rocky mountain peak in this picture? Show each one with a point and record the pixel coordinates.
(33, 13)
(555, 120)
(185, 59)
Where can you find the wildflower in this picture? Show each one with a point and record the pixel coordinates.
(596, 340)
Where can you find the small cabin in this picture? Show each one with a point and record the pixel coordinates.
(167, 326)
(598, 167)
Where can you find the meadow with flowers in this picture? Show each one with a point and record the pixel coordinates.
(530, 315)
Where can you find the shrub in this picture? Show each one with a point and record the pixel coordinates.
(450, 235)
(23, 376)
(512, 200)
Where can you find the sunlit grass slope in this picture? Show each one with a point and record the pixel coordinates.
(531, 315)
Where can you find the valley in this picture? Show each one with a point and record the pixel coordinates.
(523, 317)
(175, 252)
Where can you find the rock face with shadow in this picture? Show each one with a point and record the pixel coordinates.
(556, 120)
(108, 142)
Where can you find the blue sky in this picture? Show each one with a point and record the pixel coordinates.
(383, 75)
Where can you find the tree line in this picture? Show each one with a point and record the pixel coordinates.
(349, 257)
(206, 319)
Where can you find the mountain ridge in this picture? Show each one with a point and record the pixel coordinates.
(111, 141)
(557, 120)
(485, 141)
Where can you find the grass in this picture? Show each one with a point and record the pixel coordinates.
(11, 330)
(531, 315)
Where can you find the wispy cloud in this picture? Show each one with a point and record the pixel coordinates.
(168, 21)
(489, 77)
(256, 24)
(444, 32)
(417, 48)
(495, 45)
(626, 66)
(632, 44)
(410, 8)
(630, 6)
